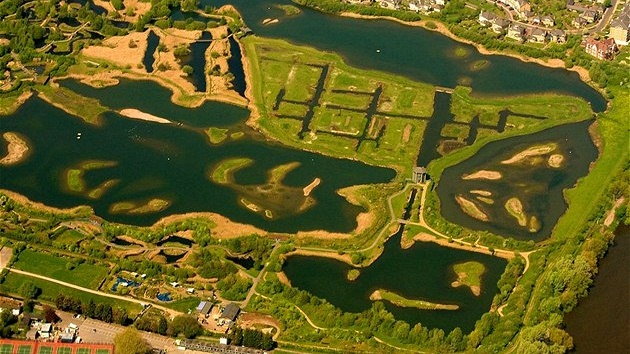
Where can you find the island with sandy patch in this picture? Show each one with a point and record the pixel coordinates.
(469, 274)
(483, 174)
(533, 151)
(17, 149)
(152, 206)
(400, 301)
(471, 208)
(555, 161)
(137, 114)
(515, 208)
(353, 274)
(308, 189)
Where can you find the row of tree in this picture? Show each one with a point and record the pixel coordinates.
(101, 311)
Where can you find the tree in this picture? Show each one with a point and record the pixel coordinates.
(130, 341)
(185, 325)
(50, 315)
(28, 290)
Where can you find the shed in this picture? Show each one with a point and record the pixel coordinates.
(230, 312)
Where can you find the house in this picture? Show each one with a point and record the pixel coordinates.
(485, 18)
(548, 21)
(558, 36)
(579, 22)
(601, 49)
(516, 31)
(390, 4)
(538, 35)
(536, 20)
(590, 16)
(500, 24)
(519, 6)
(620, 27)
(230, 313)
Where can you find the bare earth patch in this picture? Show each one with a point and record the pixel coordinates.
(483, 174)
(531, 152)
(126, 51)
(137, 114)
(611, 214)
(224, 229)
(282, 277)
(334, 255)
(424, 237)
(17, 150)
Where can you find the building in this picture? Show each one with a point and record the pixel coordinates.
(520, 6)
(486, 18)
(45, 330)
(604, 49)
(548, 21)
(516, 32)
(390, 4)
(500, 24)
(558, 36)
(419, 175)
(204, 308)
(620, 27)
(230, 313)
(538, 35)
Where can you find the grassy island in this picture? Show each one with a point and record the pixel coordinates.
(400, 301)
(469, 274)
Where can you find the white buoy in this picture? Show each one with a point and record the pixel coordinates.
(378, 50)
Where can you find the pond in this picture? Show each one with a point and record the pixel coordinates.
(518, 195)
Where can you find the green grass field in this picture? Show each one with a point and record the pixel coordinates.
(86, 275)
(185, 304)
(50, 291)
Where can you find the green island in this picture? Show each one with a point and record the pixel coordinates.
(400, 301)
(91, 241)
(469, 274)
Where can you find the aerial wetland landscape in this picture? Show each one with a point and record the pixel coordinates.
(348, 182)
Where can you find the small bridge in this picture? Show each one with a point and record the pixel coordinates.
(444, 89)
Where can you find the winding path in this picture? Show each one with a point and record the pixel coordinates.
(142, 303)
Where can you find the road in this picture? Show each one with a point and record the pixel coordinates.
(252, 290)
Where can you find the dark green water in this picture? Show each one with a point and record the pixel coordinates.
(152, 43)
(540, 188)
(410, 51)
(170, 161)
(601, 322)
(423, 271)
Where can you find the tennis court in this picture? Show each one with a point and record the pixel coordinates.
(64, 350)
(6, 349)
(82, 351)
(25, 349)
(45, 350)
(103, 351)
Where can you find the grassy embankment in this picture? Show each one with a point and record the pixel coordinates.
(557, 109)
(87, 109)
(223, 171)
(277, 65)
(469, 274)
(401, 301)
(64, 269)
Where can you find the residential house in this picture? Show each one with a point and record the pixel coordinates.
(558, 36)
(548, 21)
(604, 49)
(486, 18)
(517, 5)
(590, 15)
(516, 31)
(579, 22)
(538, 35)
(500, 24)
(620, 27)
(390, 4)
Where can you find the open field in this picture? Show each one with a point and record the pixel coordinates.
(50, 291)
(401, 301)
(86, 275)
(312, 100)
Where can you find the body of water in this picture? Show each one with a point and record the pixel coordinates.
(538, 186)
(601, 321)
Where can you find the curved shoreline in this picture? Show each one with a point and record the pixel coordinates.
(442, 29)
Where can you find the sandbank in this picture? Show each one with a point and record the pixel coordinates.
(270, 21)
(308, 189)
(515, 208)
(17, 149)
(481, 192)
(224, 229)
(137, 114)
(442, 29)
(21, 199)
(483, 174)
(530, 152)
(475, 289)
(470, 208)
(555, 160)
(282, 277)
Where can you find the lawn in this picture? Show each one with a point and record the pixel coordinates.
(50, 291)
(185, 304)
(86, 275)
